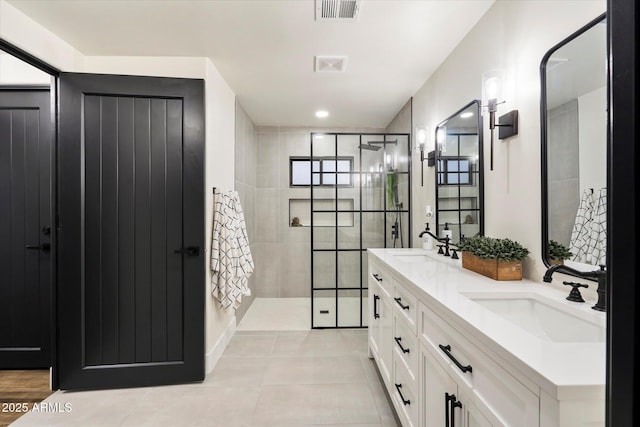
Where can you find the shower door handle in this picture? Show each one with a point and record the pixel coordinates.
(375, 307)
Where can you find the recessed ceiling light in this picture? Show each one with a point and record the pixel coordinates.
(466, 115)
(321, 114)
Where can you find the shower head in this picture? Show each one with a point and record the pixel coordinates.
(369, 147)
(395, 141)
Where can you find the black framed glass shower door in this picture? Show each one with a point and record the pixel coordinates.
(360, 198)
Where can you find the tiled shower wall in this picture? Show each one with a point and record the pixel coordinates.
(283, 253)
(245, 184)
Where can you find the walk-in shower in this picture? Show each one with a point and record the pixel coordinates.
(360, 198)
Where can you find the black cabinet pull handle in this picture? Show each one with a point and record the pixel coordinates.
(375, 307)
(447, 350)
(378, 278)
(399, 301)
(398, 339)
(404, 401)
(45, 247)
(450, 404)
(189, 250)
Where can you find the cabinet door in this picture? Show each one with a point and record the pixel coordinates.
(471, 415)
(385, 337)
(436, 384)
(374, 319)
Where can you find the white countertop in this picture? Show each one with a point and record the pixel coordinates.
(564, 370)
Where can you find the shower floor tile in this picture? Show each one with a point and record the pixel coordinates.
(277, 314)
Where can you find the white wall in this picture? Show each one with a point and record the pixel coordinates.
(161, 66)
(28, 35)
(219, 167)
(20, 30)
(16, 72)
(512, 36)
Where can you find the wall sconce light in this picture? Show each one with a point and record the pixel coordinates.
(421, 142)
(507, 123)
(441, 139)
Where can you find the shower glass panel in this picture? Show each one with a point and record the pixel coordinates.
(360, 198)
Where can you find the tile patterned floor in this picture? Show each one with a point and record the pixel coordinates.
(264, 378)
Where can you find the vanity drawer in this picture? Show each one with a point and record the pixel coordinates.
(382, 277)
(406, 306)
(508, 398)
(405, 346)
(404, 395)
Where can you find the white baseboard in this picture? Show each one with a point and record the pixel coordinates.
(213, 355)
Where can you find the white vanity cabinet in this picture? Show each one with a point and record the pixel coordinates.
(406, 353)
(381, 321)
(447, 360)
(445, 404)
(485, 392)
(393, 341)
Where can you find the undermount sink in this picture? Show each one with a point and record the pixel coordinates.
(411, 258)
(543, 317)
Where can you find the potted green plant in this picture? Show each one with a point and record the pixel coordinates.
(499, 259)
(558, 252)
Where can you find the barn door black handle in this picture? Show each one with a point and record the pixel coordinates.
(45, 247)
(189, 250)
(447, 350)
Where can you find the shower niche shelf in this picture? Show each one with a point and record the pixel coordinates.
(301, 209)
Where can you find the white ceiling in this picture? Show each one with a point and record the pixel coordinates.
(265, 49)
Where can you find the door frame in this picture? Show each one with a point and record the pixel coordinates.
(53, 88)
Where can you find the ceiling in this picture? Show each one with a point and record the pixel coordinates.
(265, 49)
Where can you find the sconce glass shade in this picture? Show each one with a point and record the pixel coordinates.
(491, 87)
(421, 138)
(492, 90)
(441, 138)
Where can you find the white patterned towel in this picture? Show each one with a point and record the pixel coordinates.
(598, 243)
(231, 261)
(581, 234)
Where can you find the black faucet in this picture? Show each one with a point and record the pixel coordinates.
(599, 275)
(446, 240)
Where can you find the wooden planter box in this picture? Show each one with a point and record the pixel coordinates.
(503, 270)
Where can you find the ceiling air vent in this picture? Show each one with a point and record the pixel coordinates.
(337, 10)
(330, 64)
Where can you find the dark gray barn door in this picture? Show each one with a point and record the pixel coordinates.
(131, 225)
(25, 220)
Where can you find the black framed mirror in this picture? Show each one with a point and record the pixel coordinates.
(574, 123)
(459, 173)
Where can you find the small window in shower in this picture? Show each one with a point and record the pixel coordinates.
(328, 172)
